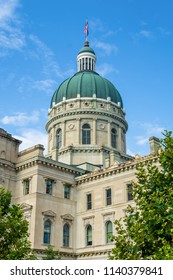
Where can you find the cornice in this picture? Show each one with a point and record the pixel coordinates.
(49, 163)
(7, 164)
(115, 169)
(89, 112)
(76, 256)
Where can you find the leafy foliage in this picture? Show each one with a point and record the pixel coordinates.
(146, 231)
(14, 244)
(50, 254)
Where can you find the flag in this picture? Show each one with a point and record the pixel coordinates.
(86, 31)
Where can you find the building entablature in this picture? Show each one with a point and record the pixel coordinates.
(89, 106)
(117, 168)
(49, 163)
(7, 164)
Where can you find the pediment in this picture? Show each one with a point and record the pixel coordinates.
(49, 213)
(68, 217)
(25, 206)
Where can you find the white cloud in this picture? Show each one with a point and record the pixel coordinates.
(105, 47)
(27, 85)
(164, 31)
(32, 137)
(105, 69)
(141, 140)
(44, 85)
(7, 9)
(152, 129)
(148, 130)
(145, 33)
(47, 57)
(20, 119)
(11, 36)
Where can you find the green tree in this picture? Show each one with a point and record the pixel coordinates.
(146, 231)
(51, 254)
(14, 244)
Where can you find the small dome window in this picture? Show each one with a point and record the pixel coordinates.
(86, 134)
(59, 138)
(113, 138)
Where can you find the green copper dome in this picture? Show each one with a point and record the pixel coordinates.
(86, 49)
(86, 84)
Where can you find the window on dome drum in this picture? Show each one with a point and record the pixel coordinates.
(59, 138)
(108, 196)
(86, 134)
(108, 228)
(67, 191)
(49, 186)
(129, 192)
(89, 235)
(26, 185)
(66, 235)
(89, 201)
(113, 138)
(47, 232)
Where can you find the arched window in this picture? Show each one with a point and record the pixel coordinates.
(86, 134)
(89, 235)
(59, 138)
(113, 138)
(108, 228)
(66, 235)
(47, 232)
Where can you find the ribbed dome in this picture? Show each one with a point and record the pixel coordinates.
(86, 84)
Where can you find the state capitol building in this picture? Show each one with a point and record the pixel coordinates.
(72, 195)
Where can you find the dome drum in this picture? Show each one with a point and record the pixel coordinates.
(86, 118)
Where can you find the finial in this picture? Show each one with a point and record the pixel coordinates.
(86, 43)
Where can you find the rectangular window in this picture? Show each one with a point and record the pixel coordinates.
(26, 184)
(67, 191)
(108, 196)
(89, 201)
(129, 192)
(49, 186)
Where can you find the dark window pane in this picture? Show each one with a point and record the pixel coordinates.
(86, 134)
(113, 137)
(59, 138)
(129, 192)
(108, 197)
(89, 201)
(67, 190)
(66, 235)
(109, 232)
(89, 235)
(47, 232)
(49, 186)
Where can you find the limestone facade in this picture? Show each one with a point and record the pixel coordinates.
(72, 196)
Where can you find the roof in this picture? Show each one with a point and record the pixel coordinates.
(86, 84)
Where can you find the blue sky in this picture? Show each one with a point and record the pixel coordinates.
(133, 41)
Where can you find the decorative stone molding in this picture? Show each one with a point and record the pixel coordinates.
(26, 207)
(67, 218)
(118, 168)
(71, 126)
(109, 216)
(88, 220)
(49, 214)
